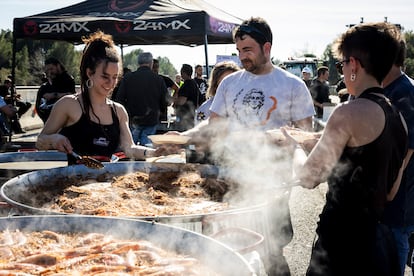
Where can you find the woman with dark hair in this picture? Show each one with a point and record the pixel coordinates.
(89, 123)
(361, 156)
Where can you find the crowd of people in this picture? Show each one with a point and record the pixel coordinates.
(364, 152)
(10, 122)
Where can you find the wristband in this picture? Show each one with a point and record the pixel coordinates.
(145, 152)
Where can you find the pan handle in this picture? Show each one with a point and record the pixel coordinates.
(242, 234)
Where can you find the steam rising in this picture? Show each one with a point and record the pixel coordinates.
(251, 160)
(246, 158)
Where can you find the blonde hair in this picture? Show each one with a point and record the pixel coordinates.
(218, 70)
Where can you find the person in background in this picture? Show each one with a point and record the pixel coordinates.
(187, 101)
(7, 111)
(306, 76)
(200, 80)
(219, 72)
(125, 71)
(340, 85)
(169, 83)
(179, 80)
(8, 92)
(361, 156)
(60, 84)
(89, 123)
(320, 90)
(145, 96)
(41, 105)
(399, 213)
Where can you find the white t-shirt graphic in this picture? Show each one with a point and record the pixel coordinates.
(262, 101)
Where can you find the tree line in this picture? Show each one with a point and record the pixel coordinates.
(31, 54)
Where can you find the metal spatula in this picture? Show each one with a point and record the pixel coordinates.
(88, 161)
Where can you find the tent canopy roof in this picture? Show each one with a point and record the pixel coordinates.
(143, 22)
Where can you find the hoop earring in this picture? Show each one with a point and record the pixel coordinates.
(89, 83)
(353, 77)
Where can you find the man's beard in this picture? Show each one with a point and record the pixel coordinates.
(249, 65)
(254, 66)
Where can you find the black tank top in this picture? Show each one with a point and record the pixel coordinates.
(358, 186)
(90, 138)
(359, 183)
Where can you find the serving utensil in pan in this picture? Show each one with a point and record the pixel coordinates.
(88, 161)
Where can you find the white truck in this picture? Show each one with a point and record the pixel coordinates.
(295, 65)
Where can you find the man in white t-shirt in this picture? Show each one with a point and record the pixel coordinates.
(262, 96)
(247, 103)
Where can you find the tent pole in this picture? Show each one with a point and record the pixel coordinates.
(206, 54)
(13, 73)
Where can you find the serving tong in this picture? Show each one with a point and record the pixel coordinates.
(88, 161)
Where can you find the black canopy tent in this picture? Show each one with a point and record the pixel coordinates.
(132, 22)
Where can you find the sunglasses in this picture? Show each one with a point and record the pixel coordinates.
(252, 31)
(341, 63)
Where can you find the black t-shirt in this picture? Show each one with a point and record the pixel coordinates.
(63, 83)
(190, 90)
(202, 85)
(320, 93)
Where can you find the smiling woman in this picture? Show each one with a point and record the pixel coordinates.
(89, 122)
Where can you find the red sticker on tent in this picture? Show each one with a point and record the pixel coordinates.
(125, 5)
(30, 28)
(123, 26)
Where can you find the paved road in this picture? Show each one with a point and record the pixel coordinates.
(305, 206)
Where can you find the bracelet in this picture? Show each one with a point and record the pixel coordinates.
(145, 152)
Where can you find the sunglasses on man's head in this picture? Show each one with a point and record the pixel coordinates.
(251, 30)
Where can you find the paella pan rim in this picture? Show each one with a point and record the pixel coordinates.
(30, 180)
(179, 240)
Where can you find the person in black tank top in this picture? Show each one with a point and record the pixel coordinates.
(98, 140)
(89, 123)
(360, 155)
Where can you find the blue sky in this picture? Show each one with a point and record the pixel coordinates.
(298, 26)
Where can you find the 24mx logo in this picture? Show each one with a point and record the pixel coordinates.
(63, 27)
(141, 25)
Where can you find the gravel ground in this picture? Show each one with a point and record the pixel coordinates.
(305, 207)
